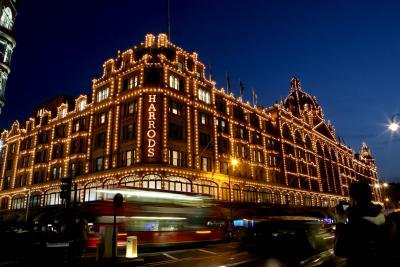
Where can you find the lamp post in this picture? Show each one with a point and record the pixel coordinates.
(394, 124)
(27, 204)
(234, 163)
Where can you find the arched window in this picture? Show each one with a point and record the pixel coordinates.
(298, 200)
(299, 139)
(91, 193)
(34, 200)
(18, 202)
(225, 192)
(130, 181)
(277, 198)
(236, 193)
(6, 19)
(178, 184)
(266, 196)
(52, 198)
(152, 181)
(249, 194)
(287, 134)
(307, 201)
(206, 187)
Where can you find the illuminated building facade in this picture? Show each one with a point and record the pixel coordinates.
(155, 121)
(8, 13)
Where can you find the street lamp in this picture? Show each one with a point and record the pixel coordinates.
(234, 162)
(27, 204)
(394, 124)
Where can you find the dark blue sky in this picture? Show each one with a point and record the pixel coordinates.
(346, 53)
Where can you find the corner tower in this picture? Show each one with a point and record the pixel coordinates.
(8, 13)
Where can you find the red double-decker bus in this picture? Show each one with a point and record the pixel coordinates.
(157, 218)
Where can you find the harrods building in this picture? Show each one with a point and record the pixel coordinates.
(154, 120)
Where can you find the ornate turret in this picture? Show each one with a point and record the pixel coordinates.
(300, 103)
(8, 13)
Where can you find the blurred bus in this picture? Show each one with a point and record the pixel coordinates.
(157, 218)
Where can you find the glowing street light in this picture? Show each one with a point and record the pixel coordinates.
(394, 125)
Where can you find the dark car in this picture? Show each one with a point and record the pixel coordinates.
(290, 241)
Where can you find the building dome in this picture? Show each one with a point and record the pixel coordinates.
(298, 101)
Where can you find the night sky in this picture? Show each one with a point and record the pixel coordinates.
(346, 53)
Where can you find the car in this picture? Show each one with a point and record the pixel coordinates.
(290, 241)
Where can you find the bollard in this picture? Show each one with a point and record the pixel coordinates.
(131, 247)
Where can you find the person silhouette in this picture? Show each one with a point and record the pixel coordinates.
(360, 231)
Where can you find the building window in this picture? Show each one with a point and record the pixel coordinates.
(58, 151)
(100, 140)
(103, 94)
(39, 176)
(131, 82)
(79, 124)
(6, 182)
(56, 173)
(175, 158)
(258, 156)
(18, 203)
(99, 164)
(205, 164)
(204, 96)
(82, 105)
(224, 167)
(174, 82)
(175, 108)
(63, 112)
(128, 132)
(59, 131)
(204, 119)
(127, 158)
(102, 118)
(6, 19)
(131, 108)
(223, 126)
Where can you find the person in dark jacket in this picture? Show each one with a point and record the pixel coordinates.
(360, 232)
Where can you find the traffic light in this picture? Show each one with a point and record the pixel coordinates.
(66, 184)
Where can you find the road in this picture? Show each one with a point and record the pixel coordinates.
(217, 255)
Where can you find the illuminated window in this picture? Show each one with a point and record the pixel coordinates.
(174, 82)
(102, 94)
(205, 164)
(102, 118)
(175, 158)
(99, 164)
(180, 66)
(53, 198)
(224, 167)
(76, 126)
(131, 108)
(175, 108)
(203, 119)
(127, 158)
(56, 173)
(63, 112)
(204, 96)
(152, 181)
(130, 82)
(6, 19)
(82, 105)
(18, 203)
